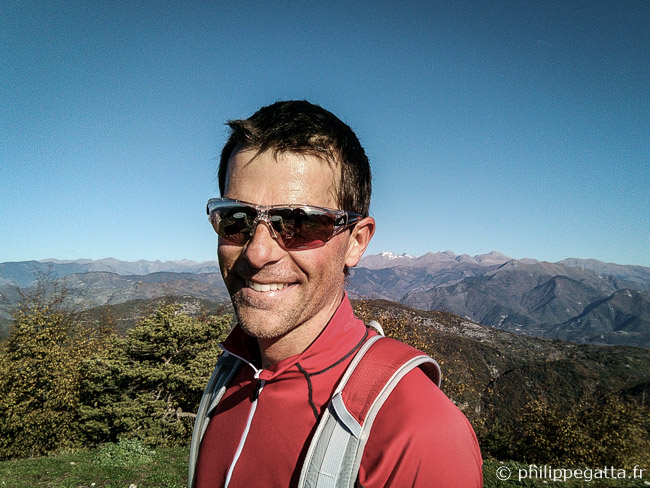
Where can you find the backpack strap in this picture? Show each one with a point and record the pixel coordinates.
(335, 452)
(224, 372)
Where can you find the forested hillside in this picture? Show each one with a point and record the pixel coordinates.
(70, 379)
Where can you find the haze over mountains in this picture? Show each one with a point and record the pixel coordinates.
(574, 299)
(580, 300)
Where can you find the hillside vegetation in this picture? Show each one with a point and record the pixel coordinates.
(531, 399)
(68, 381)
(67, 384)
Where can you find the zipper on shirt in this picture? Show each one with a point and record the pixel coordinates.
(258, 389)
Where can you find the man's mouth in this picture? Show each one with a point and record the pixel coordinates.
(265, 287)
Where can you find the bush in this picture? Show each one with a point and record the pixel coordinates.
(597, 432)
(39, 378)
(149, 383)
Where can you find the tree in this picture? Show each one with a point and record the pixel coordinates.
(149, 383)
(39, 376)
(597, 432)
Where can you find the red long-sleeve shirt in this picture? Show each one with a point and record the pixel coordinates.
(260, 432)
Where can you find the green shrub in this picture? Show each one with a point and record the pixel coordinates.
(123, 454)
(148, 384)
(39, 379)
(597, 432)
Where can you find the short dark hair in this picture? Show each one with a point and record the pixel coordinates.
(301, 127)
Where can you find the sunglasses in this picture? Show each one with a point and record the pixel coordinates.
(294, 227)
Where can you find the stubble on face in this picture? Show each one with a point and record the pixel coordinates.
(263, 320)
(314, 278)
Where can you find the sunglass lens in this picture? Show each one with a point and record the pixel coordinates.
(233, 222)
(302, 228)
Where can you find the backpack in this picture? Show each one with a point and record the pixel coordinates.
(334, 455)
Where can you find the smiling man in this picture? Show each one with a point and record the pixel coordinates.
(305, 393)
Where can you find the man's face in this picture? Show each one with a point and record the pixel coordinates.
(306, 285)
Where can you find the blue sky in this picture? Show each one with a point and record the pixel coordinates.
(521, 127)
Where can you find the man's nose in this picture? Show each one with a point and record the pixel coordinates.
(262, 248)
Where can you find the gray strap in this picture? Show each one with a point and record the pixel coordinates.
(334, 456)
(324, 468)
(375, 325)
(376, 407)
(226, 368)
(315, 471)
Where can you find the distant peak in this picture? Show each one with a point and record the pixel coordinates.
(390, 255)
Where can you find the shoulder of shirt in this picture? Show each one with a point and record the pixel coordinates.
(420, 433)
(421, 412)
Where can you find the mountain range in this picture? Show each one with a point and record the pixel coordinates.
(580, 300)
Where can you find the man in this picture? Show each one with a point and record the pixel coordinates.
(293, 220)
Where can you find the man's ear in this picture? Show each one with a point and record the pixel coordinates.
(359, 240)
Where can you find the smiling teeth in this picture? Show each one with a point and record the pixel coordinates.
(266, 286)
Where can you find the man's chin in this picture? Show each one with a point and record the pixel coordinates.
(264, 330)
(261, 323)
